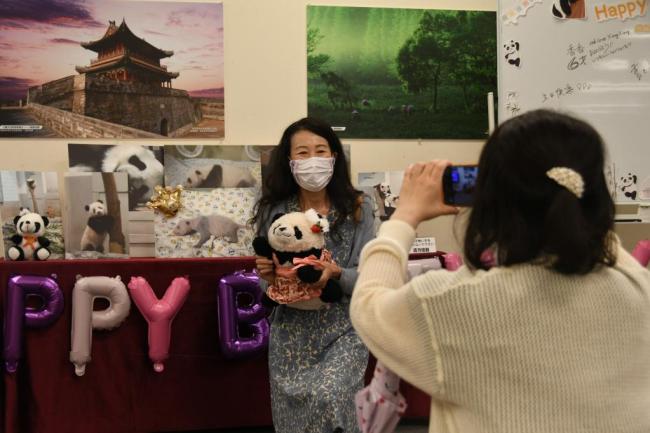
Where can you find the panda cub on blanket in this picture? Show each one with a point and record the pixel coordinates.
(220, 176)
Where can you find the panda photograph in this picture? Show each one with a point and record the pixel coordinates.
(383, 189)
(208, 167)
(142, 164)
(30, 209)
(96, 223)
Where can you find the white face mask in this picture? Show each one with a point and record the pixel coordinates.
(312, 174)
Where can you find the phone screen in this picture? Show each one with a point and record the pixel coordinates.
(458, 183)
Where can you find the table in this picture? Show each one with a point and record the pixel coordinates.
(120, 392)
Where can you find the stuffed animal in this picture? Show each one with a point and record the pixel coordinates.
(30, 241)
(295, 242)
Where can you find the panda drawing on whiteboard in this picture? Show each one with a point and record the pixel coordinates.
(97, 227)
(565, 9)
(143, 167)
(628, 186)
(512, 53)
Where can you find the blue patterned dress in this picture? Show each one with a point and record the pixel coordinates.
(316, 360)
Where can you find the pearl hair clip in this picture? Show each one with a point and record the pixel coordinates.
(569, 179)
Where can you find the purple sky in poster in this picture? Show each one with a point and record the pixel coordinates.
(39, 39)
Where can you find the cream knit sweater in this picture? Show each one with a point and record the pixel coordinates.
(521, 349)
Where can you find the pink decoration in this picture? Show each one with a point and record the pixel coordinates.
(642, 252)
(453, 261)
(380, 405)
(159, 313)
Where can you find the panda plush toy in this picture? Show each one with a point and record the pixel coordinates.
(295, 241)
(29, 241)
(97, 227)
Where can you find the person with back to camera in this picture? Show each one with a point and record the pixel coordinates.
(316, 360)
(555, 338)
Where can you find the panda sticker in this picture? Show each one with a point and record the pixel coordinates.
(512, 53)
(568, 9)
(97, 227)
(628, 186)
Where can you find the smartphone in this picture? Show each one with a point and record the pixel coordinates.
(458, 184)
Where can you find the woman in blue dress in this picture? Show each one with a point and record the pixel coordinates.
(316, 360)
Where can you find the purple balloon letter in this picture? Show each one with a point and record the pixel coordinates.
(231, 317)
(19, 287)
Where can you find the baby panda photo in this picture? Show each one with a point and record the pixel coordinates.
(512, 53)
(211, 223)
(209, 167)
(142, 164)
(30, 209)
(383, 189)
(97, 224)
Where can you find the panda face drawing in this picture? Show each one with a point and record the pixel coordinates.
(96, 208)
(511, 49)
(385, 188)
(628, 185)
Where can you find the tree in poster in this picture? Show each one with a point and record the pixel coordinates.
(422, 60)
(117, 243)
(472, 63)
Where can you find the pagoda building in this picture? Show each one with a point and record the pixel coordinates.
(125, 57)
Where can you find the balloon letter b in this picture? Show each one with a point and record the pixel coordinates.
(19, 287)
(84, 319)
(159, 313)
(231, 317)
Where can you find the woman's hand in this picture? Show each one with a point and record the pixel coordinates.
(266, 269)
(330, 270)
(421, 196)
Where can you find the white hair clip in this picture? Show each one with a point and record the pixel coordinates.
(568, 178)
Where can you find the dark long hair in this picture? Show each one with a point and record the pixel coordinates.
(279, 185)
(526, 215)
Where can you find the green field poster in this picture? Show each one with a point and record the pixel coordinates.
(401, 73)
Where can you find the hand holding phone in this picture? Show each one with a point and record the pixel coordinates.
(421, 196)
(458, 184)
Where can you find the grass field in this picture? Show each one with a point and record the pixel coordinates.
(384, 116)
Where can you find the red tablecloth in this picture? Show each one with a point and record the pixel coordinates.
(120, 392)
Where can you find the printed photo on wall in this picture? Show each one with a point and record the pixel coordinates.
(208, 167)
(111, 69)
(401, 73)
(96, 221)
(144, 167)
(383, 188)
(568, 9)
(211, 223)
(30, 207)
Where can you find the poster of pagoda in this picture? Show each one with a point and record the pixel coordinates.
(111, 69)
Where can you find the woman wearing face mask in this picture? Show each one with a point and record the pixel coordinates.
(316, 360)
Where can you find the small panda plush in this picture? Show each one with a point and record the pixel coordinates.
(97, 227)
(512, 53)
(294, 241)
(628, 186)
(220, 176)
(30, 241)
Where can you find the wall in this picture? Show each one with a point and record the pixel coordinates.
(266, 89)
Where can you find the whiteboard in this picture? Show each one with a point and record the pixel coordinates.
(596, 68)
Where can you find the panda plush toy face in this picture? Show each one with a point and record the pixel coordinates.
(297, 232)
(31, 224)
